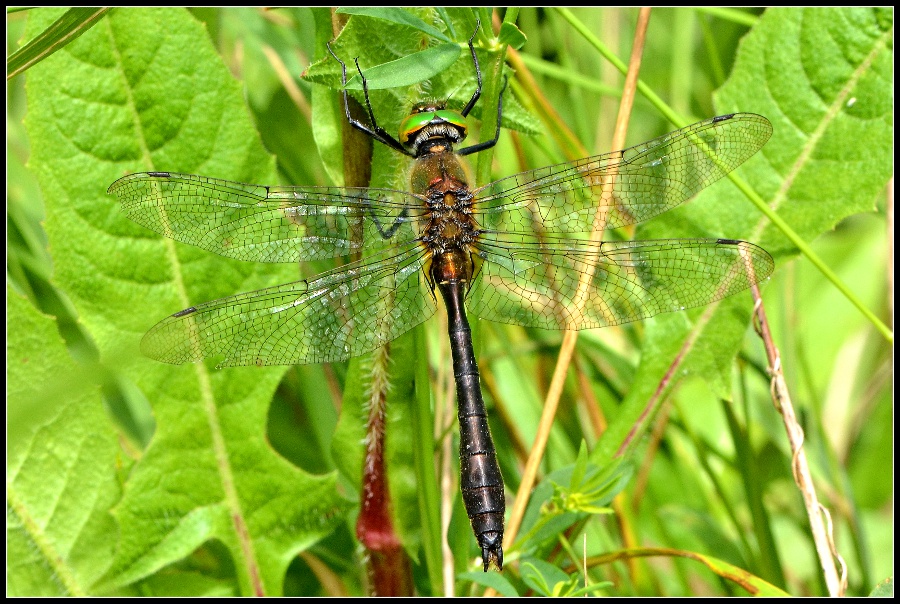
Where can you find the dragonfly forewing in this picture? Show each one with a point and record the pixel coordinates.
(269, 223)
(631, 186)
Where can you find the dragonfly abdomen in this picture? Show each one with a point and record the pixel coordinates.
(481, 481)
(480, 478)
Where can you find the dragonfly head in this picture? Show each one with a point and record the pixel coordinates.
(429, 125)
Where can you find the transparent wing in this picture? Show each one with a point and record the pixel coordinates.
(647, 179)
(268, 223)
(537, 284)
(331, 317)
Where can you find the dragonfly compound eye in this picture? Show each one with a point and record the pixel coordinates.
(444, 122)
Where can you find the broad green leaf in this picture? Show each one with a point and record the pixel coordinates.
(61, 464)
(395, 15)
(823, 77)
(146, 91)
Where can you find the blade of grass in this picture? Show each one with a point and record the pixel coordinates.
(75, 22)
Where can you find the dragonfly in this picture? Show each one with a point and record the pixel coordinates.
(518, 250)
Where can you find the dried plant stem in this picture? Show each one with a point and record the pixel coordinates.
(819, 518)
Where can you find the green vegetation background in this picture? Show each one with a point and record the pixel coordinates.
(125, 476)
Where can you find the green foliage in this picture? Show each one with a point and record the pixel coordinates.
(207, 474)
(61, 470)
(128, 477)
(547, 580)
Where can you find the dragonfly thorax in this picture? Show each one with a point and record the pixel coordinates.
(441, 180)
(431, 128)
(450, 224)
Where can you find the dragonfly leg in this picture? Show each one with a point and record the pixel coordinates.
(375, 131)
(387, 234)
(477, 94)
(488, 144)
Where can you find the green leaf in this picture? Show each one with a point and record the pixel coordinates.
(543, 577)
(408, 70)
(146, 91)
(512, 35)
(553, 509)
(396, 15)
(823, 77)
(495, 581)
(581, 466)
(62, 454)
(885, 589)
